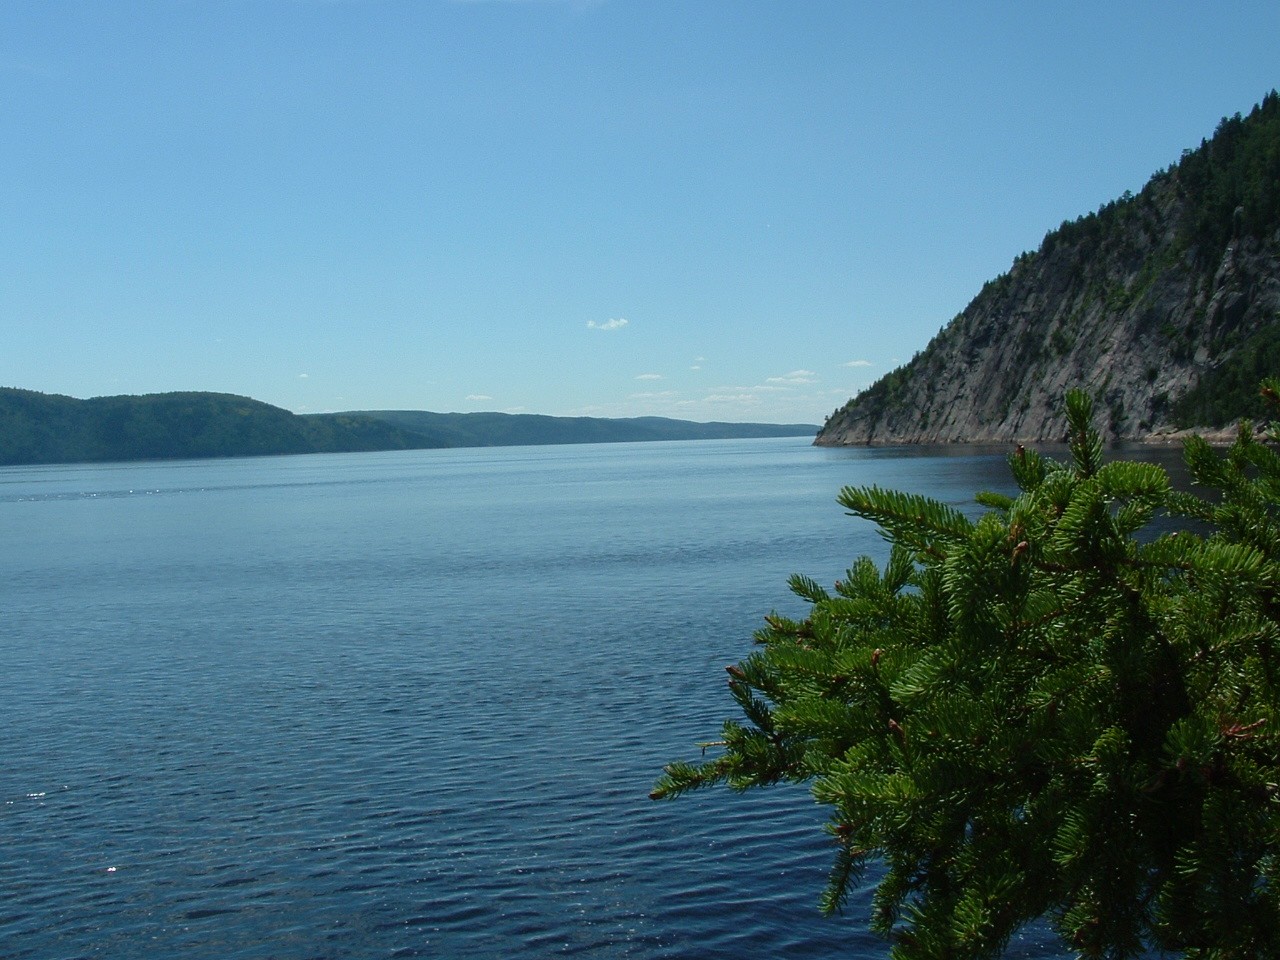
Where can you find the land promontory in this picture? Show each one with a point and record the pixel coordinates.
(1165, 305)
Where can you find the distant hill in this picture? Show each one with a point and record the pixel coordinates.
(524, 429)
(1164, 305)
(48, 428)
(44, 428)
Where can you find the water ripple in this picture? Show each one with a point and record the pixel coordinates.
(372, 706)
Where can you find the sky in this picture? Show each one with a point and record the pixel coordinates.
(741, 210)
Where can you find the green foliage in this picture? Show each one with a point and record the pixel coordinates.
(1046, 712)
(1231, 185)
(1228, 390)
(1233, 180)
(891, 388)
(36, 428)
(527, 429)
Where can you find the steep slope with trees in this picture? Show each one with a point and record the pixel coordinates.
(1164, 306)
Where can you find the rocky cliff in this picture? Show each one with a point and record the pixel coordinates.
(1157, 304)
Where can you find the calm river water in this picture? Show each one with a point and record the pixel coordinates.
(411, 704)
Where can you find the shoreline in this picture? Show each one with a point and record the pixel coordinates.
(1216, 436)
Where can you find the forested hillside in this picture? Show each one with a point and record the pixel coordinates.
(1164, 306)
(522, 429)
(47, 428)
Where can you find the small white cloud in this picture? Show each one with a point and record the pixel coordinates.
(857, 363)
(658, 395)
(478, 396)
(650, 376)
(795, 377)
(741, 398)
(695, 367)
(304, 376)
(615, 324)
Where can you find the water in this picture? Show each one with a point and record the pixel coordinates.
(411, 704)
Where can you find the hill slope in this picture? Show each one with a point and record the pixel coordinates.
(1164, 305)
(524, 429)
(45, 428)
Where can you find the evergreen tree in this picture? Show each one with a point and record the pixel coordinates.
(1044, 713)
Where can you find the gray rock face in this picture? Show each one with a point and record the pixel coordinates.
(1115, 304)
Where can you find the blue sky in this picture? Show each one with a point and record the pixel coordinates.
(705, 209)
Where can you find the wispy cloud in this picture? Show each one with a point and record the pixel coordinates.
(615, 324)
(737, 390)
(478, 396)
(745, 399)
(304, 376)
(857, 363)
(795, 378)
(649, 376)
(653, 395)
